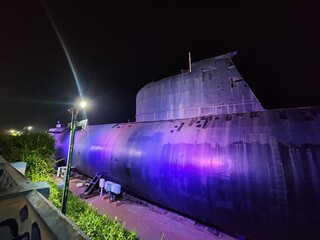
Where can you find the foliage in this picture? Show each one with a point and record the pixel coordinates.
(55, 193)
(18, 148)
(94, 225)
(37, 150)
(7, 145)
(86, 217)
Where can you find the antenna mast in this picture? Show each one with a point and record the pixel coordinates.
(189, 61)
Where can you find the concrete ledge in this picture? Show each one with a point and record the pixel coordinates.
(57, 222)
(26, 213)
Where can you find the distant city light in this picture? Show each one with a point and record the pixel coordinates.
(27, 128)
(13, 132)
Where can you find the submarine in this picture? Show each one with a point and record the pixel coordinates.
(202, 145)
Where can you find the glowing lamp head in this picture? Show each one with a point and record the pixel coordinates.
(83, 104)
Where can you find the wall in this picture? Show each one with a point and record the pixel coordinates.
(26, 212)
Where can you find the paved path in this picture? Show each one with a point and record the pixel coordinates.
(150, 222)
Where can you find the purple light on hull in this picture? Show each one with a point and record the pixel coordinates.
(256, 176)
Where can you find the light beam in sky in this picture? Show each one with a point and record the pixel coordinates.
(75, 75)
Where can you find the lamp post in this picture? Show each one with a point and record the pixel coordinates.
(74, 112)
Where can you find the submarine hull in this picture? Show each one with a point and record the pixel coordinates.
(254, 174)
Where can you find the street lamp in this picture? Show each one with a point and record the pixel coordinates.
(74, 112)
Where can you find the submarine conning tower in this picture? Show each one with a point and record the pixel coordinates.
(213, 87)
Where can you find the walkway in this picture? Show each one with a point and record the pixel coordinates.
(149, 221)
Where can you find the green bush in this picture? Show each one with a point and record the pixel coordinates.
(94, 225)
(36, 149)
(7, 144)
(86, 217)
(18, 148)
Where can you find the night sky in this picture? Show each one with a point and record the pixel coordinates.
(118, 48)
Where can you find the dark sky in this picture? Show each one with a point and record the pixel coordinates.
(117, 48)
